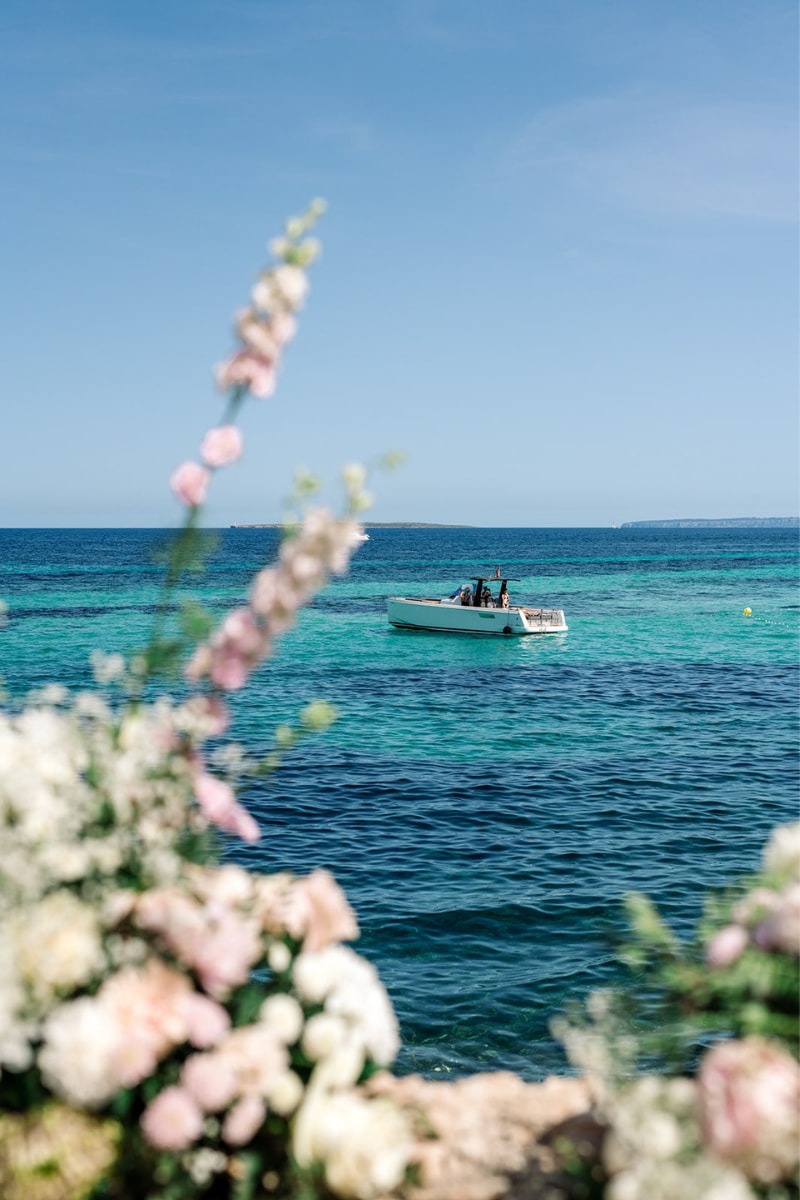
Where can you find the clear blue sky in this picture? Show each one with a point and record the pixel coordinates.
(560, 264)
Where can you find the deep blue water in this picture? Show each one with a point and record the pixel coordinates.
(485, 803)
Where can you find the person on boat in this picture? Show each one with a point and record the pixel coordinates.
(487, 600)
(497, 572)
(466, 595)
(502, 599)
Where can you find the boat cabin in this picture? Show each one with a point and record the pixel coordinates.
(482, 595)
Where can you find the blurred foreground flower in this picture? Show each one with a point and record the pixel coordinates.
(54, 1153)
(727, 1125)
(263, 329)
(170, 1024)
(749, 1093)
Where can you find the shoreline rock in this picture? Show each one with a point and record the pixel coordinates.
(492, 1136)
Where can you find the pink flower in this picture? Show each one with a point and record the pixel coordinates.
(749, 1092)
(207, 1021)
(319, 910)
(247, 369)
(273, 597)
(284, 287)
(134, 1059)
(190, 483)
(146, 1005)
(182, 922)
(229, 668)
(221, 446)
(243, 825)
(726, 946)
(218, 715)
(210, 1079)
(173, 1120)
(235, 648)
(215, 798)
(283, 327)
(258, 1057)
(781, 929)
(219, 806)
(199, 664)
(225, 955)
(259, 334)
(244, 1121)
(241, 631)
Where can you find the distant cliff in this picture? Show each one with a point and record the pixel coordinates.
(719, 523)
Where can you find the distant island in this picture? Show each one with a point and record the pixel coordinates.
(718, 523)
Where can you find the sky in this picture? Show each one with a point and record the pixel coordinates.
(559, 268)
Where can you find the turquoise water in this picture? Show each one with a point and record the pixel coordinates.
(486, 802)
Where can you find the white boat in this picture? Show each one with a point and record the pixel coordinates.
(456, 614)
(362, 536)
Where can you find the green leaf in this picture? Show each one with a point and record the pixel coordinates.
(246, 1003)
(248, 1164)
(196, 621)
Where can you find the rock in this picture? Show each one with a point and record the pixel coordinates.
(493, 1136)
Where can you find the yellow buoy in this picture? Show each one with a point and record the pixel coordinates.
(747, 612)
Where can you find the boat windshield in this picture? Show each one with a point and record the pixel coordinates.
(490, 591)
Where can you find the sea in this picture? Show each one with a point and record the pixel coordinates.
(486, 803)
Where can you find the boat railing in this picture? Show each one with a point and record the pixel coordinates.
(544, 616)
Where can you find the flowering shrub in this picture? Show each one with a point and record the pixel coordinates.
(170, 1025)
(722, 1122)
(741, 978)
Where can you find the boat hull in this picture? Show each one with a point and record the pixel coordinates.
(439, 617)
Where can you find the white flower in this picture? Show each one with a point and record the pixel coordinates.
(227, 885)
(350, 989)
(700, 1179)
(51, 693)
(107, 668)
(282, 288)
(315, 975)
(57, 945)
(782, 851)
(364, 1144)
(322, 1034)
(286, 1094)
(343, 1065)
(202, 1164)
(278, 957)
(651, 1118)
(283, 1015)
(76, 1061)
(656, 1135)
